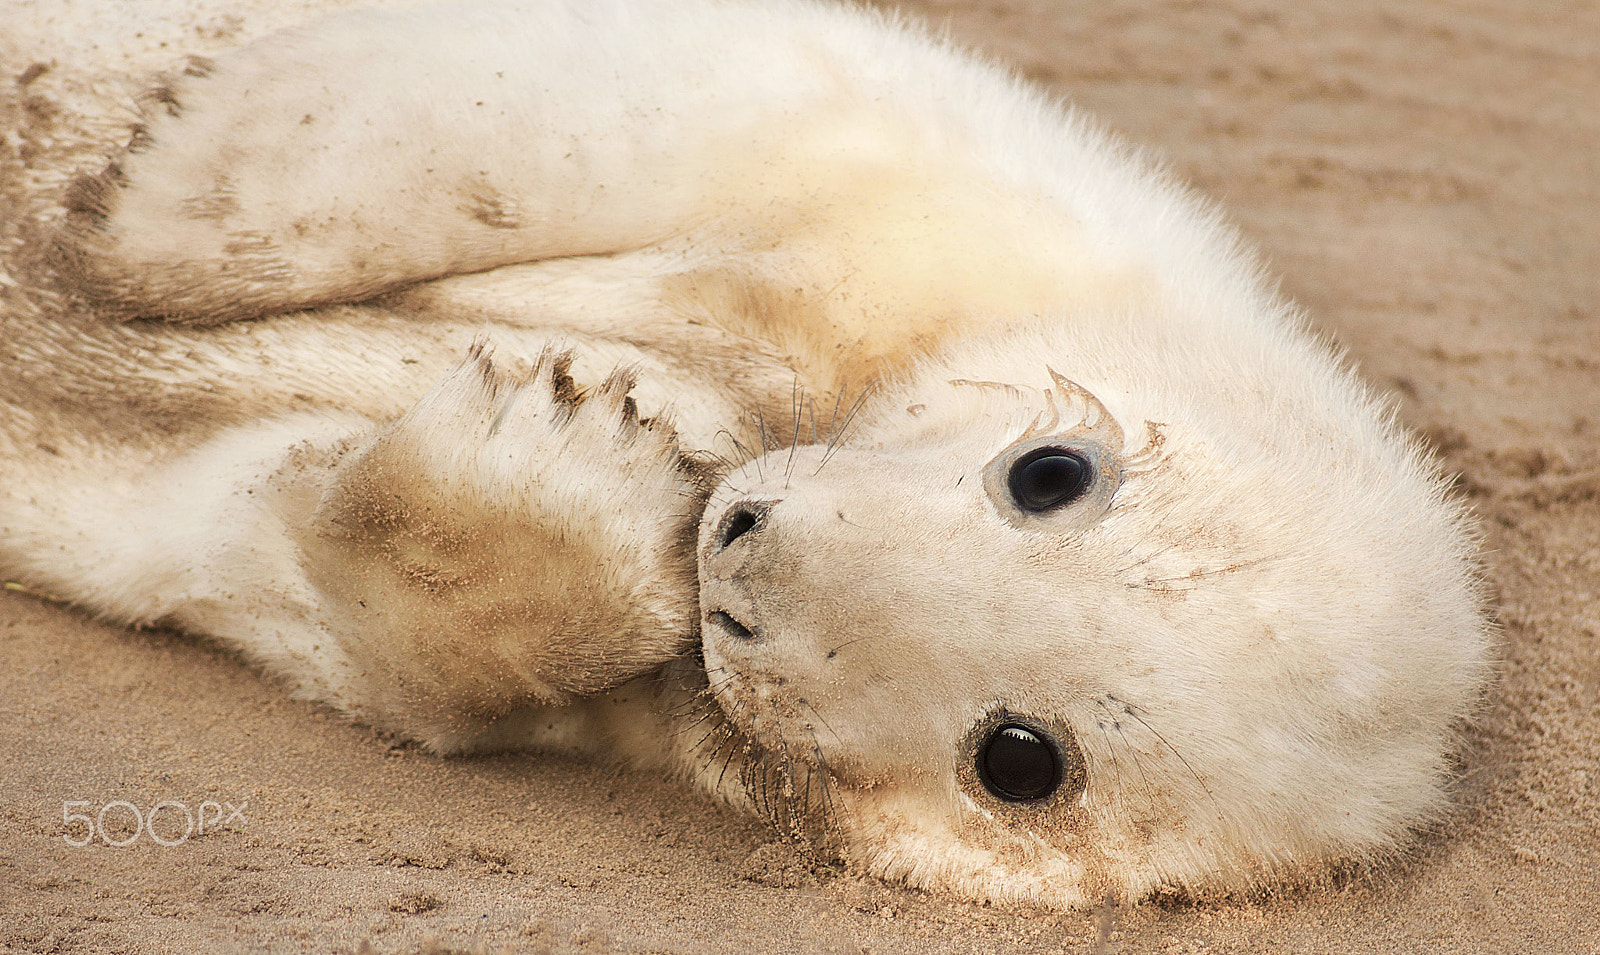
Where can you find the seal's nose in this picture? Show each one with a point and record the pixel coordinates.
(739, 520)
(729, 608)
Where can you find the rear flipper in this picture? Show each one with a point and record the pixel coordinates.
(376, 148)
(329, 162)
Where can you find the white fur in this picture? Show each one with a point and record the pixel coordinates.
(1258, 630)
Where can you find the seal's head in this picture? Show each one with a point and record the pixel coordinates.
(1055, 622)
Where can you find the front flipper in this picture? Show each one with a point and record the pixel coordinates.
(506, 543)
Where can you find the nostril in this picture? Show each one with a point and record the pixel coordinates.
(735, 525)
(739, 521)
(722, 620)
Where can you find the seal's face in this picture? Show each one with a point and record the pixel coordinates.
(1011, 643)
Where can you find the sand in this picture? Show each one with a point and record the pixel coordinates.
(1425, 176)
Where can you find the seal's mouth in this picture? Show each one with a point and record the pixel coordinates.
(762, 739)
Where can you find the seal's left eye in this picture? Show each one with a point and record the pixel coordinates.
(1048, 478)
(1016, 764)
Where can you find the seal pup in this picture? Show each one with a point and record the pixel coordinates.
(1116, 579)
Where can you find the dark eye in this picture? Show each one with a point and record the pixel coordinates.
(1049, 477)
(1016, 764)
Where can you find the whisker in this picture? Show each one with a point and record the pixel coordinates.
(805, 796)
(1111, 750)
(1128, 708)
(761, 432)
(830, 812)
(794, 440)
(1151, 556)
(756, 771)
(837, 438)
(1144, 781)
(785, 807)
(1219, 572)
(725, 753)
(731, 742)
(717, 725)
(696, 706)
(766, 438)
(833, 422)
(823, 720)
(835, 650)
(744, 452)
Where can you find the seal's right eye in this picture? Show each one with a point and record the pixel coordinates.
(1016, 764)
(1047, 478)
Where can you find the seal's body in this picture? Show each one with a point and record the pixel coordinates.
(1011, 535)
